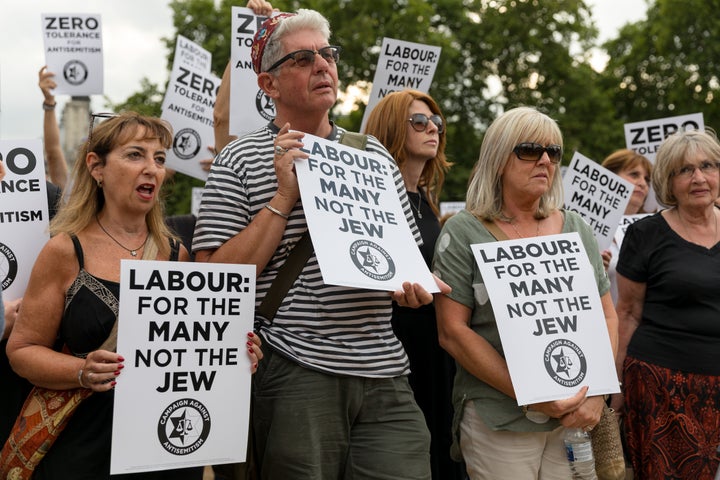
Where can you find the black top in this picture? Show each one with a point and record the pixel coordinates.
(82, 450)
(680, 324)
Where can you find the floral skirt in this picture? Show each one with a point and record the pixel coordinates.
(671, 422)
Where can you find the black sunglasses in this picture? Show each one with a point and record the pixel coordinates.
(306, 58)
(93, 117)
(532, 152)
(419, 122)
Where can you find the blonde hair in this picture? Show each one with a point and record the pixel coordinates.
(86, 198)
(388, 122)
(673, 152)
(521, 124)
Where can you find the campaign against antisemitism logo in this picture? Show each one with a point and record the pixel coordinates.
(372, 260)
(184, 426)
(75, 72)
(186, 144)
(549, 316)
(565, 362)
(8, 266)
(265, 106)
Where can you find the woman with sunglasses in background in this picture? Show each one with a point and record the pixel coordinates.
(515, 191)
(409, 124)
(113, 212)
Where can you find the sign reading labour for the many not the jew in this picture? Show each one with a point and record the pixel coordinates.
(598, 195)
(23, 213)
(402, 65)
(549, 315)
(188, 106)
(357, 225)
(73, 52)
(250, 108)
(183, 398)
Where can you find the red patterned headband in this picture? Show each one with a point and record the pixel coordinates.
(262, 36)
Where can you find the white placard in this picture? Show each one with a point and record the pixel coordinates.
(549, 316)
(250, 108)
(598, 195)
(74, 52)
(402, 65)
(645, 137)
(195, 200)
(191, 55)
(183, 398)
(23, 213)
(625, 222)
(451, 207)
(357, 225)
(188, 106)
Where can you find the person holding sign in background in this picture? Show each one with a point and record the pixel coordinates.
(113, 213)
(668, 306)
(515, 191)
(636, 169)
(410, 125)
(331, 399)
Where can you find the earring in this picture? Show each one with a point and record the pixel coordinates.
(99, 183)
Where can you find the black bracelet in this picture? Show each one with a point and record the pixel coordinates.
(49, 106)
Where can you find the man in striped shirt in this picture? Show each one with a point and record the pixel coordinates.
(331, 397)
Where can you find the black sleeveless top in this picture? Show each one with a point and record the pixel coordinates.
(82, 451)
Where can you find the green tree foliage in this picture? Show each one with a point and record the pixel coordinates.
(668, 64)
(496, 54)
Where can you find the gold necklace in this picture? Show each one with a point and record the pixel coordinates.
(687, 231)
(520, 235)
(133, 251)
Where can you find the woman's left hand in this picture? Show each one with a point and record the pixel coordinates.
(254, 350)
(586, 416)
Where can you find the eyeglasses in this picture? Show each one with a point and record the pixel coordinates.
(306, 58)
(706, 168)
(94, 116)
(419, 122)
(532, 152)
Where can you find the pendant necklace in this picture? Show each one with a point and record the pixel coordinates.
(419, 202)
(133, 251)
(520, 235)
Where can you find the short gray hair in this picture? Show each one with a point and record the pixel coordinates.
(304, 20)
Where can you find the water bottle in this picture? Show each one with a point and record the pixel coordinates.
(578, 447)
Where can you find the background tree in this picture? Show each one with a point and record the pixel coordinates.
(496, 54)
(666, 65)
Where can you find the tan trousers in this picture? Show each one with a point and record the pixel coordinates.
(502, 455)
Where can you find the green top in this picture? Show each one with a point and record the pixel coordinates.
(455, 264)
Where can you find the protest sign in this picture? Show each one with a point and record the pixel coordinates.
(183, 398)
(451, 207)
(549, 316)
(625, 222)
(357, 225)
(645, 137)
(250, 107)
(195, 200)
(74, 53)
(598, 195)
(188, 106)
(402, 65)
(23, 213)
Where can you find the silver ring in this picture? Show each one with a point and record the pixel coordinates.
(279, 150)
(589, 428)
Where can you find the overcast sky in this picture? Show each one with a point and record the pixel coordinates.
(132, 33)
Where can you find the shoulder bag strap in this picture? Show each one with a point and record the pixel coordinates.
(494, 230)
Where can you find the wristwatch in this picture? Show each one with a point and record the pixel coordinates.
(533, 415)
